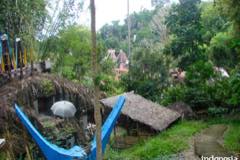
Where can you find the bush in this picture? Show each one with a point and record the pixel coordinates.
(47, 88)
(148, 72)
(234, 87)
(216, 110)
(173, 94)
(197, 90)
(109, 85)
(204, 89)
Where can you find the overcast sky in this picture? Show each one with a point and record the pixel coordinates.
(111, 10)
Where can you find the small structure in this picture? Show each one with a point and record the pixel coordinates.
(122, 62)
(143, 111)
(177, 75)
(112, 55)
(122, 58)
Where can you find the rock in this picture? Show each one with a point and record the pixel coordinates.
(183, 109)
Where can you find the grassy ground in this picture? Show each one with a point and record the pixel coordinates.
(232, 138)
(173, 140)
(176, 138)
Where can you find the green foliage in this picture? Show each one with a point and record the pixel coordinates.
(206, 89)
(212, 21)
(221, 51)
(183, 22)
(115, 35)
(198, 82)
(199, 72)
(197, 90)
(231, 8)
(173, 94)
(71, 52)
(3, 155)
(109, 85)
(221, 93)
(232, 138)
(47, 88)
(171, 141)
(148, 73)
(22, 18)
(234, 90)
(217, 111)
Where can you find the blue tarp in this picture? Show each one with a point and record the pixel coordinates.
(53, 152)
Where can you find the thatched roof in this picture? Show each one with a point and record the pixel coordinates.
(122, 57)
(44, 85)
(145, 111)
(25, 92)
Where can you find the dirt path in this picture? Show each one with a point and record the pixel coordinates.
(210, 142)
(189, 154)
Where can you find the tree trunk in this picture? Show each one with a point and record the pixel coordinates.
(97, 106)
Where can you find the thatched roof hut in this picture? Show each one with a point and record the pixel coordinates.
(144, 111)
(29, 90)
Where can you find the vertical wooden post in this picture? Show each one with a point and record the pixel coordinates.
(129, 29)
(31, 59)
(97, 106)
(21, 63)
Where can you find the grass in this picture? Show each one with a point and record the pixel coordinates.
(2, 155)
(171, 141)
(232, 138)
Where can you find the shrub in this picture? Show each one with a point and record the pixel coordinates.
(108, 84)
(234, 87)
(47, 87)
(217, 110)
(173, 94)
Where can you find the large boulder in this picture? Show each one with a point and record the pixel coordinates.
(183, 109)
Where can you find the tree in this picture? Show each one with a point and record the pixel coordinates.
(221, 51)
(22, 18)
(149, 72)
(183, 22)
(231, 9)
(97, 106)
(158, 25)
(212, 21)
(116, 35)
